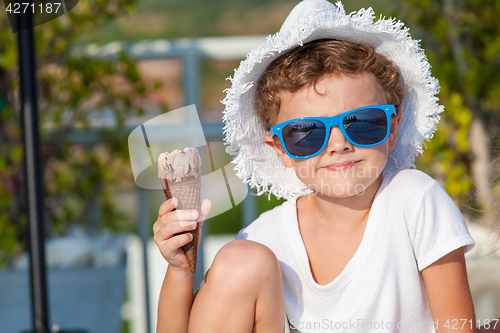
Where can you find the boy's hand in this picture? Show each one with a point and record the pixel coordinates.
(168, 227)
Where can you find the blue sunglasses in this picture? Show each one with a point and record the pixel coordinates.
(363, 127)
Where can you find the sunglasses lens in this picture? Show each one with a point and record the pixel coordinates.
(367, 126)
(304, 137)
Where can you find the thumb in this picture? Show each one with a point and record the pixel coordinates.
(205, 207)
(168, 206)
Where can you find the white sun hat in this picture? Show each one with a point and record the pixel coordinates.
(257, 163)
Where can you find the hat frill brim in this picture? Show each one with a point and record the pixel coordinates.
(258, 164)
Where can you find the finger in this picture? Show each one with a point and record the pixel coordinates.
(169, 230)
(181, 215)
(156, 226)
(172, 249)
(179, 241)
(205, 207)
(168, 206)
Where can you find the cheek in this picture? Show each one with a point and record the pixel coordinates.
(305, 168)
(379, 155)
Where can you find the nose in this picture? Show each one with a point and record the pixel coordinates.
(337, 143)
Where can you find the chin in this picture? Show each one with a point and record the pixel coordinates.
(340, 190)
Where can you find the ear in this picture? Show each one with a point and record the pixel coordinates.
(395, 121)
(276, 145)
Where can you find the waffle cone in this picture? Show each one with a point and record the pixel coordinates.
(188, 192)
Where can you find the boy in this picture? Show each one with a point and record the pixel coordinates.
(328, 114)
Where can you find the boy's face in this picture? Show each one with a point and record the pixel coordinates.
(341, 170)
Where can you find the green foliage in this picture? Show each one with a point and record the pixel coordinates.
(444, 156)
(73, 93)
(229, 222)
(195, 18)
(462, 42)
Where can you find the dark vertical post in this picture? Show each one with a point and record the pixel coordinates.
(32, 165)
(144, 230)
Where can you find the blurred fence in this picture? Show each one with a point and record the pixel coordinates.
(192, 52)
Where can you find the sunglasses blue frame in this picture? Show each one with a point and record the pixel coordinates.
(329, 122)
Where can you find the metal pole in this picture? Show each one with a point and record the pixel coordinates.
(32, 165)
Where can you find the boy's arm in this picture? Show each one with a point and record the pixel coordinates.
(176, 299)
(449, 295)
(176, 294)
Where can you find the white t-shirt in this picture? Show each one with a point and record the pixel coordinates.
(412, 223)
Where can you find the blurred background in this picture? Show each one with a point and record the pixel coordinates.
(108, 66)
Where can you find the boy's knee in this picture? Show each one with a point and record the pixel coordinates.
(243, 261)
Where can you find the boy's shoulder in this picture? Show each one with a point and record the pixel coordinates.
(411, 186)
(409, 179)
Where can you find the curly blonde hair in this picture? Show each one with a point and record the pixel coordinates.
(307, 64)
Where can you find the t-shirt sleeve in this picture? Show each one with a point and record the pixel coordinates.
(436, 226)
(242, 234)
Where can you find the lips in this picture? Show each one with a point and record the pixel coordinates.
(341, 166)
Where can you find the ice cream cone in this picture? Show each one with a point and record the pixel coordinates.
(180, 176)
